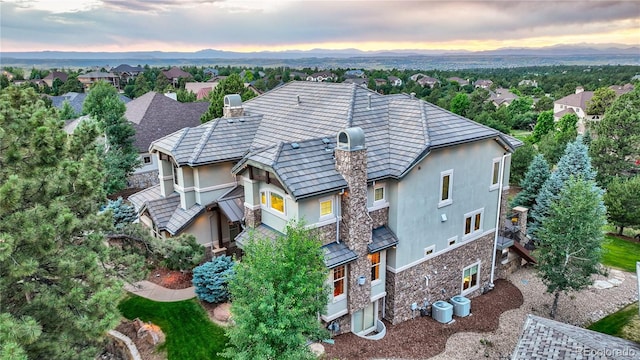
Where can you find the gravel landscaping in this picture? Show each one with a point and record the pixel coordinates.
(479, 336)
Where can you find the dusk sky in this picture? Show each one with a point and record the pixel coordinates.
(255, 25)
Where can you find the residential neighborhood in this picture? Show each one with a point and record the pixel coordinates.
(413, 185)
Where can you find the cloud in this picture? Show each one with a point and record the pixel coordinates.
(196, 24)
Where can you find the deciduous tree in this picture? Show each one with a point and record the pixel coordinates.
(460, 104)
(616, 144)
(601, 100)
(278, 291)
(623, 202)
(571, 236)
(231, 85)
(543, 126)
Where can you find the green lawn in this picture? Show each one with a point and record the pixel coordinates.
(614, 323)
(189, 332)
(520, 134)
(620, 253)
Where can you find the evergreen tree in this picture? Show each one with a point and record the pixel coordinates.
(616, 142)
(71, 85)
(601, 100)
(537, 174)
(278, 291)
(57, 276)
(162, 83)
(552, 144)
(141, 85)
(623, 202)
(211, 279)
(569, 252)
(120, 156)
(67, 111)
(574, 162)
(520, 162)
(123, 214)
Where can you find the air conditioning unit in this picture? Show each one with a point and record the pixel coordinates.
(461, 306)
(442, 311)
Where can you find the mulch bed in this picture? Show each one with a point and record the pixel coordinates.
(423, 337)
(170, 279)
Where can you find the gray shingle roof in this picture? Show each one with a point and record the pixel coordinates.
(382, 238)
(336, 254)
(399, 131)
(149, 194)
(232, 203)
(154, 115)
(262, 231)
(546, 339)
(161, 210)
(127, 68)
(76, 100)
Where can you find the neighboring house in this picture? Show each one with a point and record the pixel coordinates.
(76, 100)
(55, 75)
(460, 81)
(428, 81)
(622, 89)
(501, 96)
(322, 76)
(525, 82)
(546, 339)
(417, 76)
(211, 72)
(8, 74)
(380, 82)
(89, 78)
(395, 81)
(575, 104)
(196, 87)
(127, 72)
(175, 74)
(153, 116)
(358, 81)
(300, 75)
(485, 84)
(405, 196)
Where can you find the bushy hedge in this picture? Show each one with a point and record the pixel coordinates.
(211, 279)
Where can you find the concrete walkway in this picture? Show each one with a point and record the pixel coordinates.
(151, 291)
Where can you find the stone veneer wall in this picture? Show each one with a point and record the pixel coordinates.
(252, 218)
(231, 112)
(380, 217)
(356, 232)
(445, 272)
(327, 233)
(504, 209)
(143, 180)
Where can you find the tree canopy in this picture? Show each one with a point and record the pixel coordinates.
(616, 146)
(58, 279)
(623, 202)
(278, 291)
(537, 174)
(230, 85)
(600, 102)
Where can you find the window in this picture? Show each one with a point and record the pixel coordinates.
(326, 207)
(470, 277)
(446, 185)
(263, 198)
(473, 222)
(175, 173)
(375, 266)
(338, 280)
(495, 174)
(146, 159)
(378, 194)
(277, 202)
(429, 251)
(452, 241)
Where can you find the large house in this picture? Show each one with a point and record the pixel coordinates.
(91, 77)
(501, 96)
(405, 196)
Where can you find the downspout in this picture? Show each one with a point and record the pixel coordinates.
(495, 238)
(338, 212)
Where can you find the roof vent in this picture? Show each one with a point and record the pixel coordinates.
(295, 145)
(325, 140)
(351, 139)
(298, 99)
(370, 95)
(232, 106)
(413, 95)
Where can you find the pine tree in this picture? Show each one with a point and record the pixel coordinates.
(278, 291)
(569, 252)
(67, 112)
(57, 276)
(211, 279)
(623, 202)
(537, 173)
(574, 162)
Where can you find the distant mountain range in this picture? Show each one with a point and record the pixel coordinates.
(557, 50)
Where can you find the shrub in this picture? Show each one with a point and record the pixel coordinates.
(211, 279)
(180, 253)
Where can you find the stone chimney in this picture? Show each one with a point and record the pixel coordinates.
(232, 106)
(351, 162)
